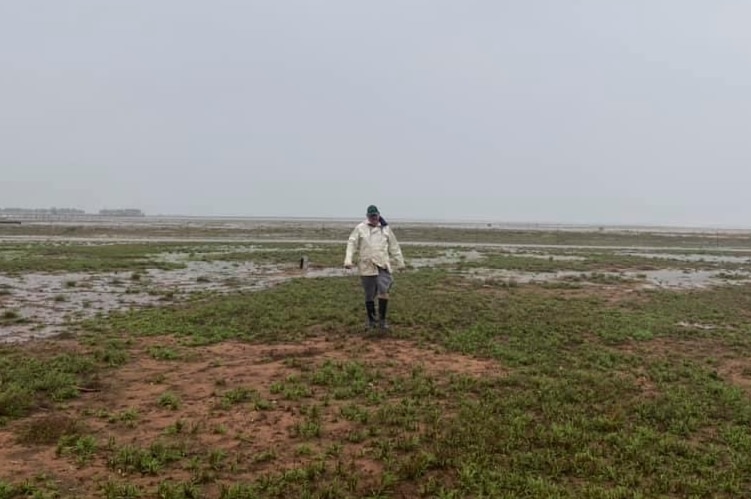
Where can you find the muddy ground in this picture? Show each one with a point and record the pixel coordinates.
(325, 406)
(44, 304)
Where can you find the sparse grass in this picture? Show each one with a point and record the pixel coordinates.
(590, 261)
(29, 381)
(318, 256)
(291, 388)
(181, 490)
(120, 490)
(48, 430)
(170, 401)
(39, 488)
(111, 352)
(129, 417)
(81, 447)
(87, 258)
(594, 395)
(146, 461)
(10, 316)
(732, 276)
(242, 395)
(179, 427)
(561, 396)
(164, 353)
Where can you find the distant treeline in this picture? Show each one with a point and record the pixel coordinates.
(42, 211)
(70, 212)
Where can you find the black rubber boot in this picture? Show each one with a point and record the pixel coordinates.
(370, 307)
(382, 308)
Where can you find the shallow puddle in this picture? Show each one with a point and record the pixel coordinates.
(693, 279)
(546, 256)
(651, 279)
(684, 257)
(45, 304)
(450, 257)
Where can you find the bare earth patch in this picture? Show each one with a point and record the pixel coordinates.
(737, 372)
(256, 433)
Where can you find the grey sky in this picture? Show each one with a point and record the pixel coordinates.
(560, 111)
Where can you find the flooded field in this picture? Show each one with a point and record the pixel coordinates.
(42, 304)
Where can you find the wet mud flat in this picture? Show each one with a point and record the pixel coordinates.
(649, 279)
(238, 229)
(36, 305)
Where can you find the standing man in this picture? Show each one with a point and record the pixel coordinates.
(376, 245)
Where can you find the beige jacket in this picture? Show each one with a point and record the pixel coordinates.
(376, 246)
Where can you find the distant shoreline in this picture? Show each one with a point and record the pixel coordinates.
(96, 219)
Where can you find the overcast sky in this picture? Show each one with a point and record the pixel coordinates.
(599, 111)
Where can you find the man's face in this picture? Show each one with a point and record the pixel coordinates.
(373, 219)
